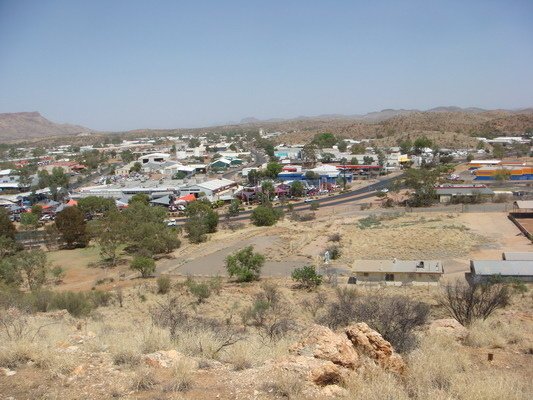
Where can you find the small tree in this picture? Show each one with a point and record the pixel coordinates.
(71, 225)
(234, 208)
(136, 167)
(245, 265)
(145, 265)
(29, 220)
(34, 267)
(467, 303)
(7, 228)
(140, 198)
(265, 216)
(307, 277)
(297, 188)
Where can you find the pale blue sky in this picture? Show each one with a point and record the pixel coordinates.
(116, 65)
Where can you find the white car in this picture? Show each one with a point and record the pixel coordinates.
(171, 222)
(308, 200)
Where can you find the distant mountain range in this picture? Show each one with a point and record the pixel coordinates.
(382, 115)
(30, 125)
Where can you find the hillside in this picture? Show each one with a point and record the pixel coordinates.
(30, 125)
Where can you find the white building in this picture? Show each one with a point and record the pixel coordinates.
(212, 189)
(398, 272)
(154, 158)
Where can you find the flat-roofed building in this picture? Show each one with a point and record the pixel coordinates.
(398, 272)
(485, 270)
(518, 256)
(211, 189)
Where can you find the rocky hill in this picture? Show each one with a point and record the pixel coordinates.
(30, 125)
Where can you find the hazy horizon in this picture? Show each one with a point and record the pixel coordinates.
(123, 65)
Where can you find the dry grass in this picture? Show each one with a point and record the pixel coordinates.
(182, 376)
(144, 378)
(440, 369)
(254, 352)
(285, 385)
(496, 334)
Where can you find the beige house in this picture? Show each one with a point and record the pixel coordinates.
(397, 272)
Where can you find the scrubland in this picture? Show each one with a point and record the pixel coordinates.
(145, 344)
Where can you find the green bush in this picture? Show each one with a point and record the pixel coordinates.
(77, 304)
(265, 216)
(163, 284)
(145, 265)
(245, 264)
(334, 252)
(307, 277)
(200, 290)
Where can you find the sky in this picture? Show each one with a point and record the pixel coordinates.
(125, 64)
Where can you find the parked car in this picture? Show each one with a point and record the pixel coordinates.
(171, 222)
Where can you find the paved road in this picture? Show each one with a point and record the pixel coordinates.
(358, 194)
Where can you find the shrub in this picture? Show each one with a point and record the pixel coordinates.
(265, 216)
(368, 222)
(145, 265)
(200, 290)
(314, 206)
(307, 277)
(77, 304)
(334, 252)
(335, 237)
(163, 284)
(395, 317)
(245, 264)
(467, 303)
(100, 298)
(182, 377)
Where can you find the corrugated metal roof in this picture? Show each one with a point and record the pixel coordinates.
(524, 203)
(463, 190)
(518, 256)
(407, 266)
(215, 184)
(502, 267)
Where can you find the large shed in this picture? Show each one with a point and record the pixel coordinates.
(485, 270)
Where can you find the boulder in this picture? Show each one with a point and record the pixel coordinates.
(369, 342)
(449, 327)
(162, 359)
(322, 343)
(309, 369)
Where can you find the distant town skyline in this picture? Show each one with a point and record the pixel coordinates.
(125, 65)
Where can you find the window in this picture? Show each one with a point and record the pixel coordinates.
(389, 277)
(365, 274)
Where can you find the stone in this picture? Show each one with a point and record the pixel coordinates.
(322, 343)
(369, 342)
(162, 359)
(449, 327)
(325, 374)
(7, 372)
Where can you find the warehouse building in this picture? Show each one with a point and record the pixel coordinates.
(212, 189)
(486, 270)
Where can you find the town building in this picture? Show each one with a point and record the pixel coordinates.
(212, 189)
(446, 193)
(398, 272)
(487, 270)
